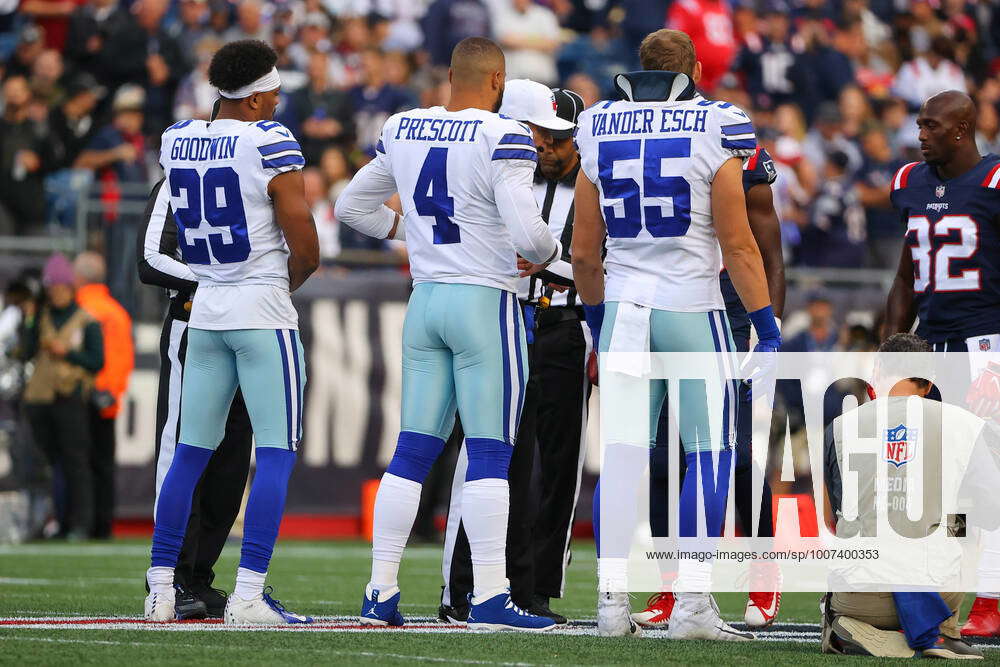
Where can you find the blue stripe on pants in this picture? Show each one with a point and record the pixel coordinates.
(288, 384)
(725, 389)
(732, 386)
(298, 386)
(517, 351)
(506, 366)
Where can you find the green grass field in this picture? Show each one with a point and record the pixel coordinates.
(327, 579)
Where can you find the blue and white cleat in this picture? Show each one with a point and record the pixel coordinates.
(499, 613)
(264, 610)
(159, 607)
(381, 607)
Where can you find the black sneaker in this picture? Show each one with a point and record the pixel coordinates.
(453, 615)
(187, 606)
(214, 599)
(540, 607)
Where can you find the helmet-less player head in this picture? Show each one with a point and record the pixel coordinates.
(947, 123)
(247, 80)
(670, 51)
(478, 70)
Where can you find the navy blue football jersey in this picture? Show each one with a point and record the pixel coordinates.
(952, 232)
(757, 170)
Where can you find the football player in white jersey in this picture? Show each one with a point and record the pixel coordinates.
(661, 177)
(245, 230)
(464, 176)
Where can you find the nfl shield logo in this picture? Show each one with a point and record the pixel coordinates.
(984, 344)
(900, 445)
(939, 191)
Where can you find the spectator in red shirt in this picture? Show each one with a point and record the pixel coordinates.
(53, 17)
(709, 24)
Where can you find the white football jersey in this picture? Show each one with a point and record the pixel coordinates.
(465, 182)
(653, 163)
(217, 174)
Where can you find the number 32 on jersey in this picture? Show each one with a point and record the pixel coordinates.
(932, 258)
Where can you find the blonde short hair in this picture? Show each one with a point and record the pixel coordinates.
(668, 50)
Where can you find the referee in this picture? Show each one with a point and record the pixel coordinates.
(217, 498)
(555, 402)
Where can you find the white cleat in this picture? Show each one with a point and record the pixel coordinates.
(159, 607)
(696, 616)
(263, 610)
(613, 618)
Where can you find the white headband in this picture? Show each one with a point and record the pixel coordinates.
(269, 81)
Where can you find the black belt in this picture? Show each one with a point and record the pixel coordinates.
(177, 309)
(553, 315)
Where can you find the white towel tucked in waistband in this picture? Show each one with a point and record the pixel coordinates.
(630, 335)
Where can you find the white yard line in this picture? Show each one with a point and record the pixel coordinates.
(360, 654)
(78, 581)
(787, 632)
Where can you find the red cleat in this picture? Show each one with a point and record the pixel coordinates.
(984, 619)
(657, 612)
(764, 600)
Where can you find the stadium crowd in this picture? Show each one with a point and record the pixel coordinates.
(89, 85)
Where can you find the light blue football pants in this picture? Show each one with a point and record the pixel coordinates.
(267, 364)
(672, 331)
(463, 346)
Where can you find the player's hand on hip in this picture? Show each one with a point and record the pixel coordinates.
(527, 268)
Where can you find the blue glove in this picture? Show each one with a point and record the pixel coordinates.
(595, 318)
(760, 365)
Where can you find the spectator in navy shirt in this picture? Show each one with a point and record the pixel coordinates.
(325, 115)
(448, 22)
(827, 69)
(835, 233)
(885, 233)
(821, 334)
(771, 61)
(827, 137)
(375, 100)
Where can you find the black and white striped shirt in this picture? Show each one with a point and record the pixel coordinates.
(555, 198)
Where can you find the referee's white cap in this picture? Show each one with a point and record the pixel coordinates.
(532, 102)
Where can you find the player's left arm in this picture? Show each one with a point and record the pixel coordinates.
(291, 212)
(739, 249)
(766, 229)
(589, 231)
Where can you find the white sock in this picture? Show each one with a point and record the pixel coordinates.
(989, 563)
(249, 584)
(395, 511)
(160, 579)
(612, 575)
(486, 504)
(693, 576)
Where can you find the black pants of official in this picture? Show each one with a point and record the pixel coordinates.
(218, 495)
(552, 418)
(102, 470)
(62, 431)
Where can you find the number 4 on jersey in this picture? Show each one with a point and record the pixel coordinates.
(431, 199)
